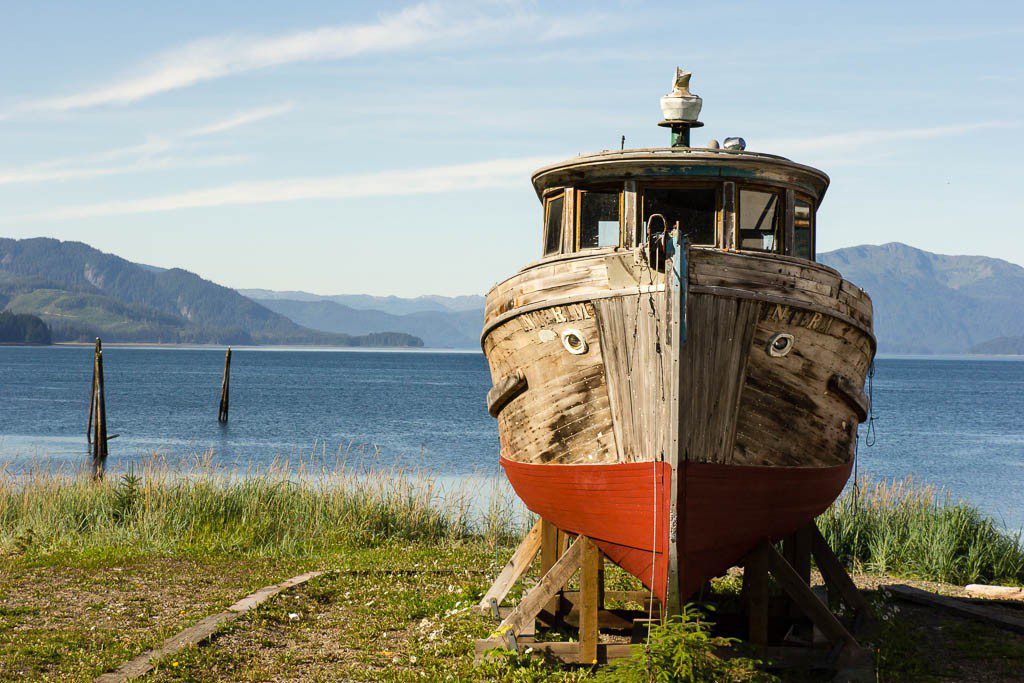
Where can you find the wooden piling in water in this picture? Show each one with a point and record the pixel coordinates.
(98, 415)
(92, 393)
(225, 389)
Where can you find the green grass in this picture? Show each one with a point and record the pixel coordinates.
(907, 529)
(91, 574)
(280, 512)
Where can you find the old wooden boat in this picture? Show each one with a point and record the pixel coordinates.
(677, 378)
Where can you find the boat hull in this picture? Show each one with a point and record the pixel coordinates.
(725, 511)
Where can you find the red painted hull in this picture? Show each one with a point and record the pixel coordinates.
(724, 510)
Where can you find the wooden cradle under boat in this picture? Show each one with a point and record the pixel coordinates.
(677, 379)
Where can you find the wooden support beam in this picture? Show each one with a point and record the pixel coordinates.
(590, 597)
(797, 552)
(802, 553)
(552, 540)
(806, 600)
(553, 581)
(834, 574)
(755, 591)
(515, 568)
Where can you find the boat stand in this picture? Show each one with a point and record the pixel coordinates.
(812, 635)
(550, 605)
(796, 629)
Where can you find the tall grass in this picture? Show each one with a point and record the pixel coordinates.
(279, 511)
(909, 529)
(898, 528)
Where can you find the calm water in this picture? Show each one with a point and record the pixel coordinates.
(954, 422)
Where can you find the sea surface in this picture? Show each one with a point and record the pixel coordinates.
(954, 422)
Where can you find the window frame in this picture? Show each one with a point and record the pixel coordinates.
(782, 246)
(718, 187)
(550, 197)
(578, 212)
(802, 197)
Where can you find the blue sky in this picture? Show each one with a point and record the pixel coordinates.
(338, 147)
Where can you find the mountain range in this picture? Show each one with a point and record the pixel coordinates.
(924, 303)
(933, 303)
(81, 293)
(441, 322)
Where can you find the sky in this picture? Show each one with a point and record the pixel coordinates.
(386, 148)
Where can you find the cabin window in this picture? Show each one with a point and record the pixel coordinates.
(553, 224)
(803, 229)
(693, 209)
(599, 216)
(759, 215)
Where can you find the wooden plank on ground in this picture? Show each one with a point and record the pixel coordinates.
(565, 652)
(959, 608)
(200, 631)
(977, 590)
(515, 568)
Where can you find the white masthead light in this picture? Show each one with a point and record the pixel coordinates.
(681, 109)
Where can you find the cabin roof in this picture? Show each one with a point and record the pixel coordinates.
(694, 163)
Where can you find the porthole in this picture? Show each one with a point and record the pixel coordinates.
(574, 342)
(780, 344)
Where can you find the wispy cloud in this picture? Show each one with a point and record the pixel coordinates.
(243, 118)
(491, 174)
(212, 58)
(858, 139)
(151, 155)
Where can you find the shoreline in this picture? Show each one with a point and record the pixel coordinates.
(943, 357)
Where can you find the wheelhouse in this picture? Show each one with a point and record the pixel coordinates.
(718, 198)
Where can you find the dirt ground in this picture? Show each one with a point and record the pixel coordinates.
(388, 615)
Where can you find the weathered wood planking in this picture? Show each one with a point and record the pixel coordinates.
(633, 331)
(564, 416)
(714, 364)
(738, 403)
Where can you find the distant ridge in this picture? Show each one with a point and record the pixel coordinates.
(442, 322)
(395, 305)
(81, 293)
(1002, 346)
(933, 303)
(924, 303)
